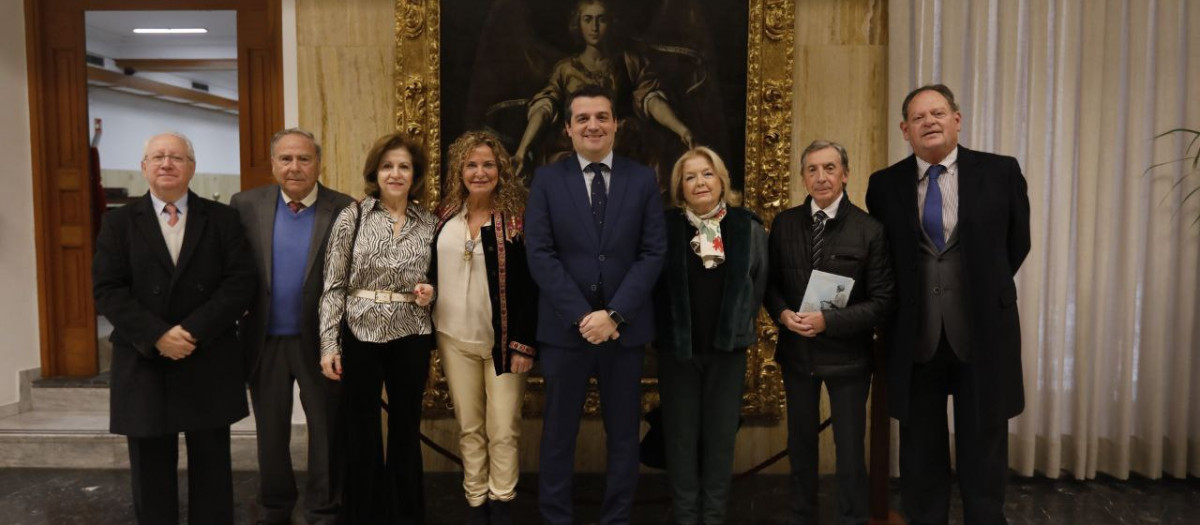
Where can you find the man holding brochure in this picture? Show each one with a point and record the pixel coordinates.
(819, 251)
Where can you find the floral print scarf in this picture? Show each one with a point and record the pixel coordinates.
(707, 243)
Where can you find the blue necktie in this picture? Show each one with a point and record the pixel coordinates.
(932, 221)
(599, 194)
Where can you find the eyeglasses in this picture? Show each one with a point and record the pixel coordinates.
(302, 160)
(162, 159)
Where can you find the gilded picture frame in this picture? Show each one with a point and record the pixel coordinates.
(769, 64)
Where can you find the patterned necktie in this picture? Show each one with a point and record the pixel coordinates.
(818, 238)
(599, 194)
(173, 212)
(296, 206)
(932, 219)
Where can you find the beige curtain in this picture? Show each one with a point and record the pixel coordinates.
(1076, 90)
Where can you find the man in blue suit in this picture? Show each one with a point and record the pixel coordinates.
(596, 241)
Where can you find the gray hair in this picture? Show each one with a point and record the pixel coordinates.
(295, 131)
(186, 141)
(818, 145)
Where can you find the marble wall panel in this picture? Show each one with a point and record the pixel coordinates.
(344, 64)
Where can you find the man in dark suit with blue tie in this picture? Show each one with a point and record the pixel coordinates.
(957, 222)
(596, 241)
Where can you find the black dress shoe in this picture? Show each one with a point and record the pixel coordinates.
(478, 515)
(500, 512)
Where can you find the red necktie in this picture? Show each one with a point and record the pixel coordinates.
(296, 206)
(173, 212)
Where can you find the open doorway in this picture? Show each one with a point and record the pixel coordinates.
(61, 132)
(150, 72)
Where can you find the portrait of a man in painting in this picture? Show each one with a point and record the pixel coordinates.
(676, 67)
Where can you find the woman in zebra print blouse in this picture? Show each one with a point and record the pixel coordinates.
(485, 317)
(376, 331)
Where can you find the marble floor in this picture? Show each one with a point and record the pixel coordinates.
(101, 497)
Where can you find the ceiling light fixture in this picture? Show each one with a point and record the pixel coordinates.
(170, 31)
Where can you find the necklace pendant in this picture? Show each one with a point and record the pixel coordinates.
(468, 249)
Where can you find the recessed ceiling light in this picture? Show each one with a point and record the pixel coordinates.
(170, 31)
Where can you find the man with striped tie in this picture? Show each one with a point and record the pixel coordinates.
(173, 275)
(957, 221)
(831, 345)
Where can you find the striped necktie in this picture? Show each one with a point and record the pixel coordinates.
(818, 237)
(172, 214)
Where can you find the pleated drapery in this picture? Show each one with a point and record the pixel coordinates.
(1077, 90)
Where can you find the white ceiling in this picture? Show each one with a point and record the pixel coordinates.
(110, 34)
(119, 25)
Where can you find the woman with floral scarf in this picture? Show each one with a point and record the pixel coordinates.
(707, 299)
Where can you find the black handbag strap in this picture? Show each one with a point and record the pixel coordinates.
(353, 242)
(350, 268)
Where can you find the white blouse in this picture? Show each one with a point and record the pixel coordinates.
(464, 308)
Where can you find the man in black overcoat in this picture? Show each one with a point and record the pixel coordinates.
(958, 224)
(172, 273)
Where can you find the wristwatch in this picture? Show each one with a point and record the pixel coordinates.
(616, 317)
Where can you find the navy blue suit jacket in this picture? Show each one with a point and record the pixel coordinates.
(567, 255)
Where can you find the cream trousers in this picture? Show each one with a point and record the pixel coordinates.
(488, 410)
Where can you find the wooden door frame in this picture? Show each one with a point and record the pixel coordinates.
(58, 114)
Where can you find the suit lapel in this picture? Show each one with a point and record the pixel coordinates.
(147, 225)
(197, 219)
(325, 210)
(970, 191)
(618, 183)
(572, 178)
(265, 224)
(907, 177)
(735, 233)
(806, 234)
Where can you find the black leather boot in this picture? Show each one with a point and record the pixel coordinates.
(500, 512)
(479, 515)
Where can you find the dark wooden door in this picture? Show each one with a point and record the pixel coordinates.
(59, 132)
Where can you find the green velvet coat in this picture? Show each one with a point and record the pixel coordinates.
(745, 242)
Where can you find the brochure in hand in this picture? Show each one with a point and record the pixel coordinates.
(826, 291)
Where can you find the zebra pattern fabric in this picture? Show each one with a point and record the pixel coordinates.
(382, 261)
(818, 237)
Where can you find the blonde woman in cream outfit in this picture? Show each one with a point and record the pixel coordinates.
(485, 317)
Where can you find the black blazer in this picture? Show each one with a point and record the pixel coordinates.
(855, 247)
(143, 294)
(513, 294)
(993, 232)
(256, 208)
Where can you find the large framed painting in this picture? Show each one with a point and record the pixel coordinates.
(684, 72)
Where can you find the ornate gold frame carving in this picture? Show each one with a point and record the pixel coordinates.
(769, 69)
